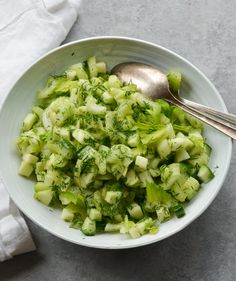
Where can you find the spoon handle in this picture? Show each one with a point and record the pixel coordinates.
(224, 128)
(219, 115)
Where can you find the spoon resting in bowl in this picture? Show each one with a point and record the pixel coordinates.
(154, 84)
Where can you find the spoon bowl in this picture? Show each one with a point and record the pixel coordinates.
(150, 81)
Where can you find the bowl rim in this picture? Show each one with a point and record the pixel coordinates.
(170, 233)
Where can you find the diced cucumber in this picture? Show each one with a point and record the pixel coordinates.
(80, 72)
(179, 193)
(141, 162)
(141, 226)
(132, 179)
(133, 140)
(114, 82)
(174, 79)
(145, 177)
(196, 134)
(68, 197)
(164, 148)
(63, 132)
(107, 98)
(92, 66)
(194, 122)
(169, 130)
(207, 149)
(89, 227)
(170, 174)
(199, 160)
(154, 172)
(180, 143)
(162, 213)
(51, 177)
(29, 121)
(30, 158)
(39, 171)
(33, 148)
(112, 197)
(40, 186)
(44, 196)
(56, 160)
(118, 218)
(64, 149)
(126, 225)
(181, 155)
(95, 215)
(25, 169)
(101, 67)
(112, 227)
(154, 162)
(134, 232)
(205, 174)
(190, 187)
(154, 137)
(38, 111)
(96, 109)
(135, 211)
(84, 180)
(179, 211)
(70, 74)
(81, 135)
(118, 94)
(67, 214)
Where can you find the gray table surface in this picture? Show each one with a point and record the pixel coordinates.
(202, 31)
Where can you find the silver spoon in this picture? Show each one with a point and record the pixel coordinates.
(154, 84)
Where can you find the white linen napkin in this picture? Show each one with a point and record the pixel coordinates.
(28, 29)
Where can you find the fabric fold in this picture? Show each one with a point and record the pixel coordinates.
(28, 29)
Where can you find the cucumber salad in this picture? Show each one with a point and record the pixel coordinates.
(109, 158)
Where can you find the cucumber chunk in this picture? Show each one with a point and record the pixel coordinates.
(92, 66)
(44, 196)
(89, 227)
(205, 174)
(135, 211)
(25, 169)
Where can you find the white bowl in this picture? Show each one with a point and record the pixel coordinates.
(112, 50)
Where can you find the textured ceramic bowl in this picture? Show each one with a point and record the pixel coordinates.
(112, 50)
